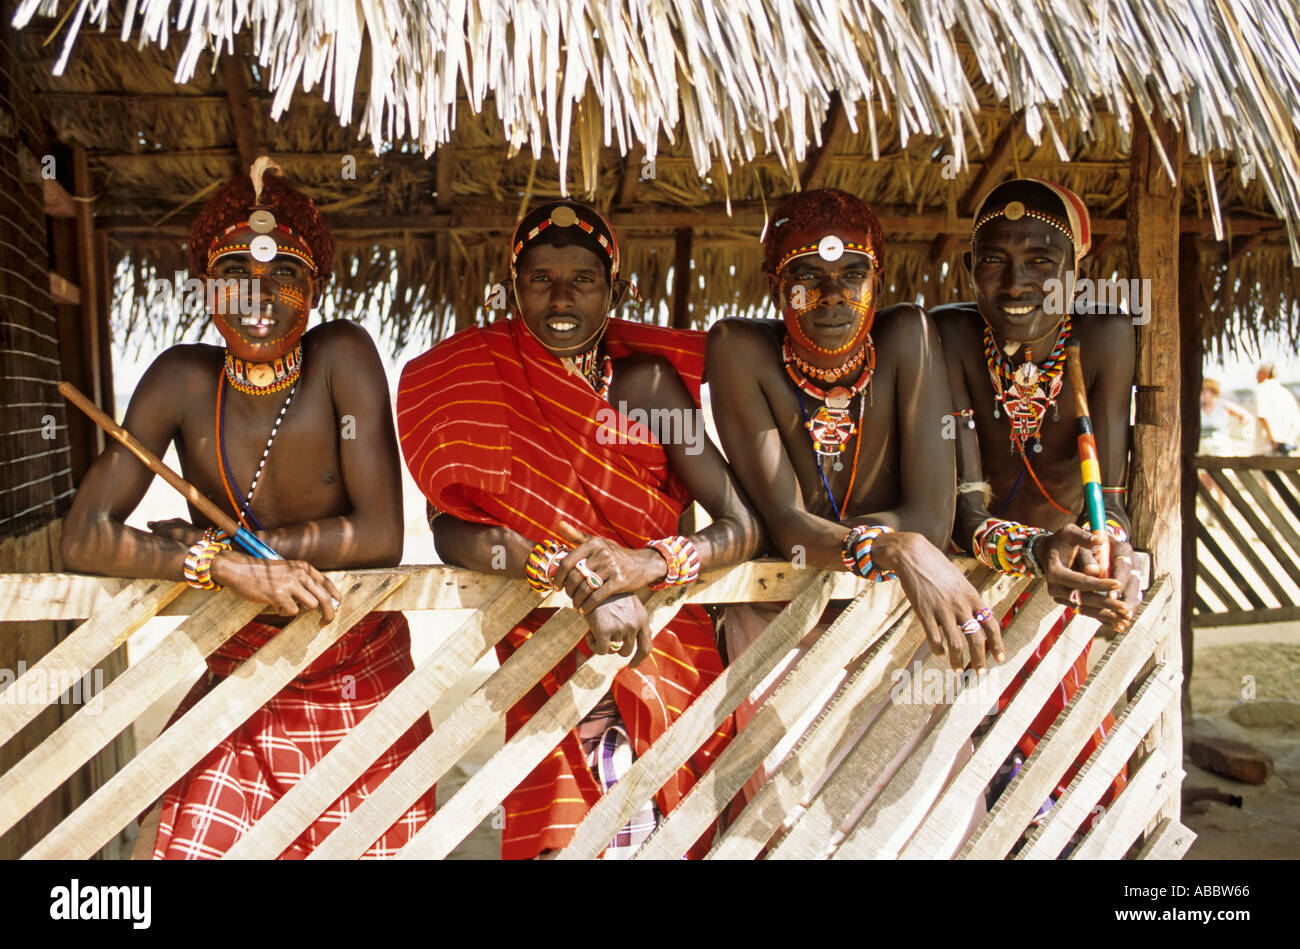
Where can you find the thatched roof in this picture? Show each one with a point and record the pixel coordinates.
(478, 108)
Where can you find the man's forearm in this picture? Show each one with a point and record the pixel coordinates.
(725, 542)
(110, 548)
(337, 543)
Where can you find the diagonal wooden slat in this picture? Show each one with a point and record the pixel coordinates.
(874, 613)
(1169, 841)
(212, 718)
(87, 645)
(1155, 781)
(1206, 575)
(78, 739)
(1252, 481)
(1079, 799)
(1239, 542)
(1262, 531)
(1285, 492)
(943, 829)
(452, 737)
(885, 827)
(562, 712)
(1228, 567)
(705, 715)
(391, 719)
(787, 791)
(1106, 684)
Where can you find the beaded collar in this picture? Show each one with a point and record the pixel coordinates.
(264, 378)
(1026, 391)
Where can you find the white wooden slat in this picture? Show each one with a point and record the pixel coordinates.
(212, 718)
(1156, 781)
(1128, 652)
(704, 716)
(1079, 799)
(1169, 842)
(391, 719)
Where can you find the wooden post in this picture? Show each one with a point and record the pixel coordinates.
(88, 280)
(1191, 310)
(240, 104)
(682, 280)
(1155, 495)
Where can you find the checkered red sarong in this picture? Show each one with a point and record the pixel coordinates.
(237, 782)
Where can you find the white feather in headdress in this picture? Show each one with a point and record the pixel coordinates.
(261, 166)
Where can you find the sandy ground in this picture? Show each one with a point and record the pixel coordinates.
(1267, 826)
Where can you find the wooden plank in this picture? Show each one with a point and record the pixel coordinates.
(1229, 567)
(41, 596)
(88, 281)
(93, 727)
(1294, 478)
(1079, 799)
(1218, 589)
(834, 128)
(704, 716)
(1250, 480)
(941, 833)
(1264, 533)
(631, 176)
(240, 106)
(1155, 781)
(1284, 490)
(852, 632)
(562, 712)
(1285, 614)
(89, 644)
(1248, 462)
(414, 696)
(1246, 549)
(682, 279)
(212, 718)
(1128, 652)
(64, 291)
(1169, 842)
(885, 826)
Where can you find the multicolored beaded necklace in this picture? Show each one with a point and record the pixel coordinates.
(830, 428)
(598, 373)
(1027, 391)
(264, 378)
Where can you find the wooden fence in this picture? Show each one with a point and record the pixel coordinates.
(1247, 541)
(812, 807)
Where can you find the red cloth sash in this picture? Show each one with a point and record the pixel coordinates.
(495, 431)
(236, 783)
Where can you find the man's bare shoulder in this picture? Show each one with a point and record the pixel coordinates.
(739, 338)
(957, 320)
(339, 339)
(900, 332)
(1108, 334)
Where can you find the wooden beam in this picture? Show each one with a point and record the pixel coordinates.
(682, 280)
(472, 215)
(63, 290)
(995, 166)
(631, 176)
(88, 281)
(58, 203)
(241, 106)
(1191, 311)
(818, 165)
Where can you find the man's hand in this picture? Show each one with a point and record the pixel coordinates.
(1074, 577)
(619, 569)
(942, 598)
(287, 586)
(620, 625)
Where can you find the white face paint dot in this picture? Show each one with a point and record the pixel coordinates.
(261, 221)
(830, 248)
(262, 248)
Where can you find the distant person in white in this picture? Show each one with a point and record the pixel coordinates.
(1222, 423)
(1278, 415)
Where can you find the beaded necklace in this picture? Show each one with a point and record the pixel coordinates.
(598, 373)
(244, 506)
(264, 378)
(1027, 391)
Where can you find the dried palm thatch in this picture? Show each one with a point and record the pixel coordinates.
(727, 102)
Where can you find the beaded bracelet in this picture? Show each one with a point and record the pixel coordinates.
(857, 552)
(198, 562)
(1002, 545)
(544, 562)
(682, 558)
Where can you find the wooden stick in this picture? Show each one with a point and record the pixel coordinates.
(209, 510)
(1088, 463)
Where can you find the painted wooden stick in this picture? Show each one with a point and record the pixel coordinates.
(243, 537)
(1089, 466)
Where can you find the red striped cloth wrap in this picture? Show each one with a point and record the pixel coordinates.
(495, 431)
(235, 784)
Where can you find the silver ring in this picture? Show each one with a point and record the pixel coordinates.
(593, 580)
(970, 627)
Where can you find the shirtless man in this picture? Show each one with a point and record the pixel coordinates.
(832, 419)
(1018, 461)
(257, 427)
(526, 437)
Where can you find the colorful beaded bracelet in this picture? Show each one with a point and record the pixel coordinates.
(544, 562)
(856, 554)
(682, 558)
(198, 561)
